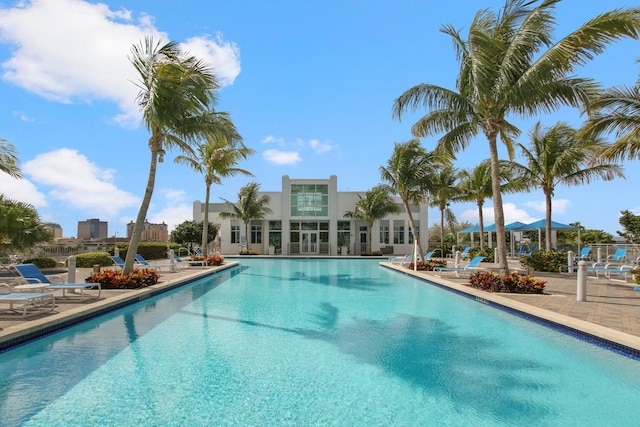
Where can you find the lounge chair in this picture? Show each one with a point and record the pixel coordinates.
(119, 262)
(402, 260)
(465, 252)
(473, 265)
(197, 251)
(530, 252)
(158, 265)
(618, 256)
(32, 274)
(519, 253)
(583, 256)
(428, 255)
(26, 303)
(188, 262)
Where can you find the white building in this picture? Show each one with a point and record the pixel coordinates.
(308, 219)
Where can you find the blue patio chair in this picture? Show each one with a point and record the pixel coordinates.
(32, 274)
(157, 265)
(473, 265)
(428, 255)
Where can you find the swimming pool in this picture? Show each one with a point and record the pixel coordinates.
(314, 342)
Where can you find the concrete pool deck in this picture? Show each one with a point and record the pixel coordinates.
(611, 311)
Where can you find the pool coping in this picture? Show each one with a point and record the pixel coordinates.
(36, 328)
(617, 341)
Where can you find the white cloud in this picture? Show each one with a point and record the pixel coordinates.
(320, 147)
(22, 116)
(79, 182)
(22, 190)
(282, 157)
(558, 206)
(73, 50)
(273, 140)
(223, 56)
(175, 210)
(511, 214)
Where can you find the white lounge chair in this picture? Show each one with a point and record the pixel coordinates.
(473, 265)
(26, 303)
(32, 274)
(188, 262)
(158, 265)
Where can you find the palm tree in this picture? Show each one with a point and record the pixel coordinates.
(376, 204)
(444, 190)
(251, 205)
(475, 186)
(557, 155)
(20, 226)
(617, 110)
(509, 65)
(9, 159)
(407, 174)
(176, 92)
(216, 158)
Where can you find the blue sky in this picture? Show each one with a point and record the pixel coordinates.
(309, 84)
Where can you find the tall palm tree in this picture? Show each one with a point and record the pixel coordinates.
(408, 173)
(557, 155)
(216, 158)
(444, 190)
(251, 205)
(617, 111)
(376, 204)
(476, 186)
(176, 92)
(510, 65)
(9, 159)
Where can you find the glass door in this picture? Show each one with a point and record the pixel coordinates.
(309, 244)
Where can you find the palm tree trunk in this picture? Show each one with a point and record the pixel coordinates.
(369, 242)
(412, 226)
(547, 229)
(142, 215)
(442, 228)
(498, 211)
(205, 222)
(481, 219)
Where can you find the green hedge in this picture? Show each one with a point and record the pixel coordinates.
(42, 262)
(544, 261)
(89, 259)
(149, 250)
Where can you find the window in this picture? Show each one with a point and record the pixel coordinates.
(398, 232)
(344, 233)
(309, 200)
(256, 232)
(235, 234)
(384, 232)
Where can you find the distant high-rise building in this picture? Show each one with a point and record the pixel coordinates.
(151, 232)
(93, 229)
(54, 229)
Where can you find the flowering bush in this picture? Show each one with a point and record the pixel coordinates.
(249, 252)
(510, 283)
(215, 259)
(112, 279)
(371, 253)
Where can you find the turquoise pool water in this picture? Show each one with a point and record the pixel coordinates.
(314, 342)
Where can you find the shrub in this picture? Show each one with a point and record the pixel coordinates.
(42, 262)
(510, 283)
(215, 259)
(149, 250)
(249, 252)
(428, 265)
(544, 261)
(487, 253)
(371, 253)
(88, 260)
(112, 279)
